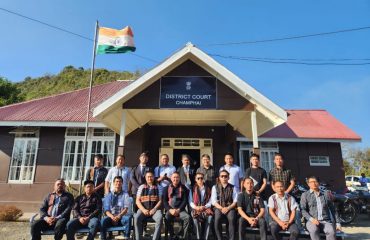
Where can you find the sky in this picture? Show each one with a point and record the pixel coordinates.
(163, 27)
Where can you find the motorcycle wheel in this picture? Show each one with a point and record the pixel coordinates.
(347, 213)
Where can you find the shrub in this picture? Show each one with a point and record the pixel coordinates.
(10, 213)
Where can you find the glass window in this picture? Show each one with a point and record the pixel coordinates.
(22, 166)
(319, 161)
(100, 141)
(356, 179)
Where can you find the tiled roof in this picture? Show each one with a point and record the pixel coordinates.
(65, 107)
(315, 124)
(71, 107)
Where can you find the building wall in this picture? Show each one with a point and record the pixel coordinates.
(48, 168)
(296, 156)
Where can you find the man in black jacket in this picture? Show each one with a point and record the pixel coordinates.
(175, 200)
(97, 174)
(137, 177)
(54, 212)
(186, 171)
(86, 212)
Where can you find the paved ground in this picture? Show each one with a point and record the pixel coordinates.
(359, 230)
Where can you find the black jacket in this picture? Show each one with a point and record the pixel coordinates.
(64, 207)
(137, 178)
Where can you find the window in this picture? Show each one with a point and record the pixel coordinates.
(99, 141)
(267, 153)
(356, 179)
(319, 161)
(23, 162)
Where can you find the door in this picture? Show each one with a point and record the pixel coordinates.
(193, 153)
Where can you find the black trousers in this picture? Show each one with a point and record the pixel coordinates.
(243, 223)
(275, 229)
(42, 225)
(230, 217)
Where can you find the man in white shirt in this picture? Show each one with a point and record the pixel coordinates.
(164, 171)
(236, 173)
(200, 202)
(282, 209)
(224, 198)
(119, 170)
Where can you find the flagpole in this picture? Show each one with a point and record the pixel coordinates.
(84, 146)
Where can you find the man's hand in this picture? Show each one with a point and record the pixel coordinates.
(225, 210)
(152, 212)
(50, 220)
(146, 212)
(315, 221)
(254, 222)
(172, 212)
(84, 220)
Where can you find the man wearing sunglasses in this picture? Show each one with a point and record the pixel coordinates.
(224, 198)
(200, 202)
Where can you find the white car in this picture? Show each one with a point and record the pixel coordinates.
(353, 183)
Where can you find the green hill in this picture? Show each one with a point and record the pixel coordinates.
(69, 79)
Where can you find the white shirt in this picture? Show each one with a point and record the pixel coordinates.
(202, 192)
(124, 172)
(282, 206)
(214, 199)
(235, 174)
(161, 171)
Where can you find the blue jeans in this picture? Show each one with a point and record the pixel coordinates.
(74, 225)
(107, 222)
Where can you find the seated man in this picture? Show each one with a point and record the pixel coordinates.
(175, 199)
(251, 210)
(148, 201)
(54, 212)
(200, 202)
(86, 211)
(116, 206)
(282, 209)
(317, 208)
(223, 198)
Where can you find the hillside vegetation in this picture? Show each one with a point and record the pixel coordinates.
(69, 79)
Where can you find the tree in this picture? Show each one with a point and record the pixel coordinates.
(9, 93)
(357, 161)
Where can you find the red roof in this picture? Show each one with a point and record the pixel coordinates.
(65, 107)
(316, 124)
(71, 107)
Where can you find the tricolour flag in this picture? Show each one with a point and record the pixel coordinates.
(115, 41)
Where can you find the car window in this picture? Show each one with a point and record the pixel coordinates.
(348, 178)
(356, 179)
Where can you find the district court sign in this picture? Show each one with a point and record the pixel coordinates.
(188, 92)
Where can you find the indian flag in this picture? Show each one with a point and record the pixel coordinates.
(115, 41)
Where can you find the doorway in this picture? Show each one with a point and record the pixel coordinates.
(193, 153)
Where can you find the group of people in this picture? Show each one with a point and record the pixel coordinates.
(202, 197)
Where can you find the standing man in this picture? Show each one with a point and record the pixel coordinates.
(208, 171)
(137, 177)
(86, 211)
(317, 209)
(201, 204)
(236, 174)
(258, 175)
(186, 172)
(164, 171)
(119, 170)
(116, 206)
(251, 210)
(148, 201)
(279, 173)
(282, 209)
(54, 212)
(224, 198)
(97, 174)
(175, 199)
(363, 180)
